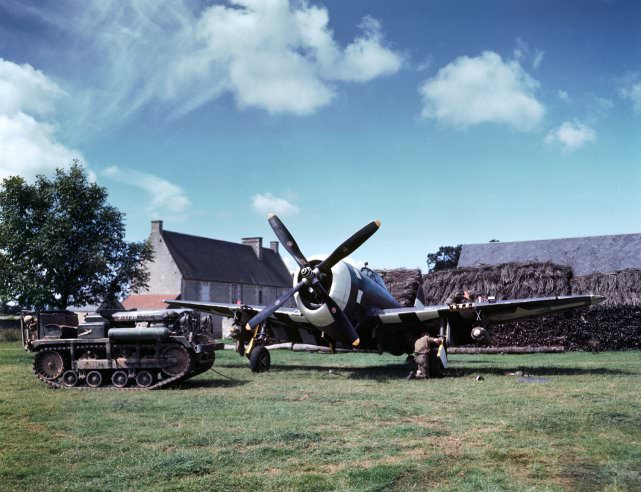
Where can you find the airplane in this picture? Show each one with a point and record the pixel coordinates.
(340, 306)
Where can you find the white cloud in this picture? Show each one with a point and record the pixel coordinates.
(165, 199)
(267, 203)
(633, 93)
(522, 53)
(483, 89)
(274, 55)
(278, 57)
(571, 135)
(563, 95)
(28, 146)
(24, 89)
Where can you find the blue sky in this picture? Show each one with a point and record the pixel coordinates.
(452, 122)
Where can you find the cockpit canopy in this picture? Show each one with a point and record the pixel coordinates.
(374, 276)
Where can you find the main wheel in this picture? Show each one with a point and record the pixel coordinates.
(119, 379)
(49, 365)
(259, 359)
(435, 364)
(94, 379)
(144, 379)
(70, 379)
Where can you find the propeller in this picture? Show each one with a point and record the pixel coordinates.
(312, 277)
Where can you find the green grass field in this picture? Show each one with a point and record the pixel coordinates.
(341, 422)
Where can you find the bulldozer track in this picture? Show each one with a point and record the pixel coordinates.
(162, 383)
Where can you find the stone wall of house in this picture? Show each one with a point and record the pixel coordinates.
(164, 276)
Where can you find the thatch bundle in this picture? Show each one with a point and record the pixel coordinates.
(595, 328)
(403, 283)
(506, 281)
(620, 288)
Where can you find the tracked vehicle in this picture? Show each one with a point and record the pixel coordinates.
(118, 349)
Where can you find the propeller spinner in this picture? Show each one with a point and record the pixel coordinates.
(313, 276)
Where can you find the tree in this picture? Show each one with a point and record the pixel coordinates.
(445, 258)
(62, 244)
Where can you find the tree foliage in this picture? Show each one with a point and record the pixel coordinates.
(62, 244)
(444, 259)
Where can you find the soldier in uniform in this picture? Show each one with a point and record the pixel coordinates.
(421, 350)
(421, 355)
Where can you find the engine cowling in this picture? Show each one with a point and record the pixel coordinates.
(338, 284)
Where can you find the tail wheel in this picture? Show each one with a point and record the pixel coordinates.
(94, 379)
(70, 379)
(144, 379)
(176, 360)
(259, 359)
(49, 365)
(119, 379)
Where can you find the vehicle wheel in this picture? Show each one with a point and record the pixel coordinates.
(49, 365)
(94, 379)
(259, 359)
(436, 365)
(144, 379)
(119, 379)
(176, 360)
(70, 379)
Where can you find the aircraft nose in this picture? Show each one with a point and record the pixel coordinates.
(596, 299)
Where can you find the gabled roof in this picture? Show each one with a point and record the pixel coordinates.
(605, 254)
(148, 301)
(205, 259)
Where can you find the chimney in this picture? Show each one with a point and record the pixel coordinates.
(257, 245)
(156, 226)
(273, 245)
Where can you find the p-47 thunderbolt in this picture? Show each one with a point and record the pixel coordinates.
(340, 306)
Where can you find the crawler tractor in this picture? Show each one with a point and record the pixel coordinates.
(118, 349)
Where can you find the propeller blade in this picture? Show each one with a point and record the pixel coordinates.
(349, 246)
(343, 323)
(287, 240)
(267, 312)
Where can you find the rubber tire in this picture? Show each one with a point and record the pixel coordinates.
(436, 365)
(69, 379)
(117, 379)
(93, 379)
(259, 359)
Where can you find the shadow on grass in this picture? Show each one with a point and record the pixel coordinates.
(209, 383)
(400, 371)
(536, 371)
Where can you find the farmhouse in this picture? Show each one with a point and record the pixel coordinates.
(585, 255)
(203, 269)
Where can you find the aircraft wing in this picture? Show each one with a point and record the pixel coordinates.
(497, 312)
(286, 324)
(283, 315)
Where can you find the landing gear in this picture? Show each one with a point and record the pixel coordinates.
(259, 359)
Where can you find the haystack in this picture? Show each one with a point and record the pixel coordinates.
(403, 283)
(620, 288)
(506, 281)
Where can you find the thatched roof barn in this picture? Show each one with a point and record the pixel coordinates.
(585, 255)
